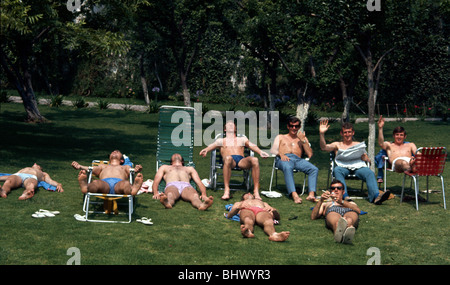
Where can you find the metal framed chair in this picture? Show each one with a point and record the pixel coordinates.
(216, 170)
(351, 176)
(173, 121)
(430, 161)
(275, 171)
(111, 202)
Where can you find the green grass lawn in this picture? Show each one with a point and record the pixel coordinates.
(183, 235)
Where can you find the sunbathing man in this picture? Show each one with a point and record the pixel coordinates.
(177, 178)
(114, 177)
(28, 177)
(289, 149)
(400, 154)
(354, 165)
(232, 151)
(341, 216)
(254, 211)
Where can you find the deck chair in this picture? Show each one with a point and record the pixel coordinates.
(175, 135)
(275, 171)
(216, 170)
(351, 176)
(110, 202)
(430, 161)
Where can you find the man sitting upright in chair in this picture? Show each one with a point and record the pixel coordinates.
(400, 154)
(232, 151)
(114, 177)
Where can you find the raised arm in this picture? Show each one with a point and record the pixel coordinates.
(381, 141)
(323, 128)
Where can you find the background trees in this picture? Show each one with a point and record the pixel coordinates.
(264, 53)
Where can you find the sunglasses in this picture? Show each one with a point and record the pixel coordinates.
(294, 126)
(336, 187)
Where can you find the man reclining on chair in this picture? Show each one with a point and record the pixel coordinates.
(253, 211)
(177, 178)
(29, 178)
(232, 151)
(400, 154)
(114, 177)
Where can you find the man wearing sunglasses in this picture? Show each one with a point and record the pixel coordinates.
(341, 216)
(356, 166)
(289, 149)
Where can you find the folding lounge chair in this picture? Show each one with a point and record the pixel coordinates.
(110, 202)
(430, 161)
(216, 170)
(275, 171)
(351, 176)
(175, 135)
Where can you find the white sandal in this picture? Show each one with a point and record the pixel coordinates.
(145, 221)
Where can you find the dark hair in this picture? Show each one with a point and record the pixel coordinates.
(335, 181)
(293, 119)
(399, 130)
(347, 125)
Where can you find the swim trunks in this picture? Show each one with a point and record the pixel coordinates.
(255, 210)
(237, 158)
(407, 159)
(180, 185)
(25, 176)
(112, 183)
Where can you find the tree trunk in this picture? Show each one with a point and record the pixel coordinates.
(143, 80)
(303, 105)
(345, 117)
(186, 94)
(24, 87)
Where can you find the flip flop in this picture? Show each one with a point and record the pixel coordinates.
(341, 226)
(79, 218)
(38, 215)
(47, 211)
(44, 214)
(383, 197)
(145, 221)
(349, 233)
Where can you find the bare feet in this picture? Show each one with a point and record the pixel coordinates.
(226, 195)
(165, 200)
(206, 204)
(2, 193)
(311, 197)
(246, 232)
(279, 236)
(82, 180)
(256, 194)
(297, 199)
(27, 194)
(137, 184)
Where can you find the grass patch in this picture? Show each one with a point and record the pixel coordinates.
(183, 235)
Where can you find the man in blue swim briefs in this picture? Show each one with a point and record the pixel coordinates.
(114, 177)
(28, 177)
(177, 178)
(232, 151)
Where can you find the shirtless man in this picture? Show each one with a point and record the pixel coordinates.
(364, 173)
(400, 154)
(232, 151)
(28, 177)
(177, 178)
(114, 177)
(254, 211)
(341, 216)
(289, 149)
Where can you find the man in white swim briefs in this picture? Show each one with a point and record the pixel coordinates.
(28, 177)
(177, 178)
(400, 154)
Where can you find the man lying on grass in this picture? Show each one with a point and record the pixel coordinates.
(254, 211)
(114, 177)
(341, 216)
(29, 178)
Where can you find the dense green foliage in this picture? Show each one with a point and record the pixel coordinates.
(262, 53)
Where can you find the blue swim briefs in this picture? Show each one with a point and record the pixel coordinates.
(112, 183)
